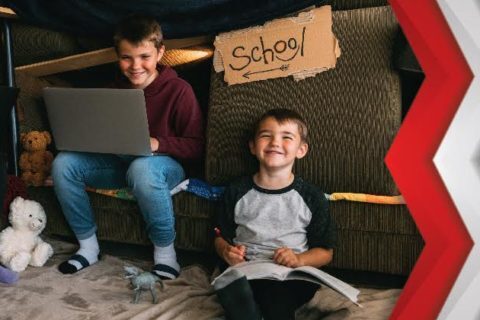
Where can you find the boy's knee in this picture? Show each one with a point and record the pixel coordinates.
(143, 173)
(228, 278)
(145, 168)
(62, 164)
(139, 166)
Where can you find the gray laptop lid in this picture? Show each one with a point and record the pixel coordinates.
(98, 120)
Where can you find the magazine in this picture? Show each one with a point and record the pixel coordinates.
(267, 269)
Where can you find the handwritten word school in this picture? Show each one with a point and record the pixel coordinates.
(282, 50)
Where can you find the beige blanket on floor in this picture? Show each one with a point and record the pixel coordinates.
(101, 292)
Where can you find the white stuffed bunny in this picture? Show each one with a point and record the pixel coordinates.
(20, 244)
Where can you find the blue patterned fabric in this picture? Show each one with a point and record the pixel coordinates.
(204, 190)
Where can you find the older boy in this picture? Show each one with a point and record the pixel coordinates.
(176, 131)
(273, 215)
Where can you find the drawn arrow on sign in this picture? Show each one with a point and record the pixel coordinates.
(282, 68)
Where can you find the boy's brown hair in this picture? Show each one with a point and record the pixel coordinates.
(282, 115)
(137, 28)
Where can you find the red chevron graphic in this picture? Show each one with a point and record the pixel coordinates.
(410, 159)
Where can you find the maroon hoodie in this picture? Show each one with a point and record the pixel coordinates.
(174, 116)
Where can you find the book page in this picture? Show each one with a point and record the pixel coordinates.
(267, 269)
(329, 280)
(263, 269)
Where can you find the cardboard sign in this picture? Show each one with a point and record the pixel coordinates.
(300, 46)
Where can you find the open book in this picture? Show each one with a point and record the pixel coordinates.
(267, 269)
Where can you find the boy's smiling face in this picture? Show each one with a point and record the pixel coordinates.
(139, 62)
(277, 145)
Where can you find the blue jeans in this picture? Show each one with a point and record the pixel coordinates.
(150, 178)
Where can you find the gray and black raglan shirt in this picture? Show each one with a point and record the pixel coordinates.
(264, 220)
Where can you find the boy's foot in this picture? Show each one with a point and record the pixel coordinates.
(75, 263)
(84, 257)
(165, 262)
(165, 272)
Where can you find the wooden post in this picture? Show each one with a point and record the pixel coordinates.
(8, 73)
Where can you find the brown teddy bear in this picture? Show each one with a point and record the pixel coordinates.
(35, 160)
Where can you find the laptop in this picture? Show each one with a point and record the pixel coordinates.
(98, 120)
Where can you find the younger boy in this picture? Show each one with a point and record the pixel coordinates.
(176, 133)
(273, 215)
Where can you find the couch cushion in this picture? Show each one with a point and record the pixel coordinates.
(32, 44)
(31, 111)
(353, 111)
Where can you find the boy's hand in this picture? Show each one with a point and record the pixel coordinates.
(233, 254)
(154, 144)
(286, 257)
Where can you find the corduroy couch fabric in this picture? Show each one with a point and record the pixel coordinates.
(353, 113)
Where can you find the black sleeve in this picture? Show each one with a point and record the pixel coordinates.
(225, 222)
(321, 232)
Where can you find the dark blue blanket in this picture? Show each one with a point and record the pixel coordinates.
(179, 18)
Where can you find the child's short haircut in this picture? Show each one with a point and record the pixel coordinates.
(137, 28)
(282, 115)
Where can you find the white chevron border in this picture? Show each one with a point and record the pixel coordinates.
(457, 159)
